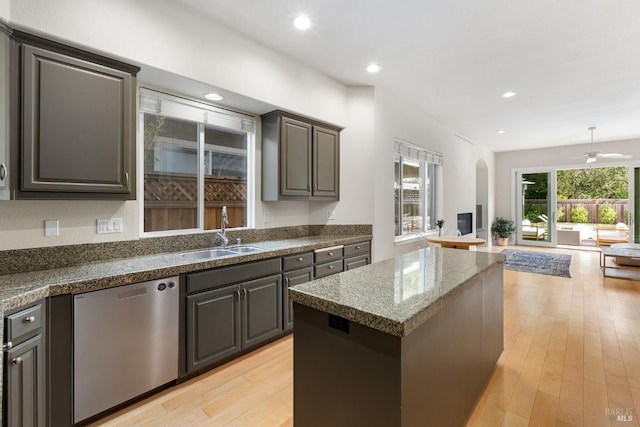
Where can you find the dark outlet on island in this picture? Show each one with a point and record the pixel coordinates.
(339, 323)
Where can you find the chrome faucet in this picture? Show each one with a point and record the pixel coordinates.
(224, 241)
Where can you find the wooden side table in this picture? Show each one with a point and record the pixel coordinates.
(457, 242)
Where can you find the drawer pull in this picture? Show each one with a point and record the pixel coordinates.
(17, 361)
(7, 346)
(358, 247)
(30, 319)
(300, 259)
(330, 254)
(330, 267)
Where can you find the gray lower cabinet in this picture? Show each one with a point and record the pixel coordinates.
(75, 133)
(4, 111)
(231, 309)
(261, 302)
(213, 326)
(357, 255)
(292, 278)
(300, 157)
(25, 368)
(328, 261)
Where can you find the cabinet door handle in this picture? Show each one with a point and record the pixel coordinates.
(238, 294)
(308, 187)
(7, 346)
(17, 361)
(244, 293)
(287, 281)
(3, 171)
(30, 319)
(126, 179)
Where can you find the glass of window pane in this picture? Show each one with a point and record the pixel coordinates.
(225, 182)
(170, 173)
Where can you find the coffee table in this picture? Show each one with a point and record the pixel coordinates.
(625, 250)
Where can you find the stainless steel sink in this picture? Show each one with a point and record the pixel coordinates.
(220, 252)
(244, 249)
(208, 254)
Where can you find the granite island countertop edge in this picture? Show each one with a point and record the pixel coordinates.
(399, 327)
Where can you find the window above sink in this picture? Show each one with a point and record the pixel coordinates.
(196, 159)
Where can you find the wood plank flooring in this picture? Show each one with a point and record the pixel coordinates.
(571, 358)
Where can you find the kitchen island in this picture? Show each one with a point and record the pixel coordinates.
(408, 341)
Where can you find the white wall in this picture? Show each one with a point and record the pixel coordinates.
(172, 38)
(395, 118)
(558, 157)
(5, 10)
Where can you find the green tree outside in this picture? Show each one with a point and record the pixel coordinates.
(593, 183)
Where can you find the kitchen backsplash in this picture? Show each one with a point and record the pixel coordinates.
(35, 259)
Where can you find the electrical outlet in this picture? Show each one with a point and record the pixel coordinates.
(331, 215)
(266, 217)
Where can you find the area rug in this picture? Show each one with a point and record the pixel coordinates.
(538, 262)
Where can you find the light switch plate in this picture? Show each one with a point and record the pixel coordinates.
(331, 215)
(51, 227)
(109, 225)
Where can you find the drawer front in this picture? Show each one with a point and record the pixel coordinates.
(355, 262)
(329, 268)
(354, 249)
(328, 255)
(295, 262)
(214, 278)
(24, 322)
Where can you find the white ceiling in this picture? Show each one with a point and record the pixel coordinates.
(573, 63)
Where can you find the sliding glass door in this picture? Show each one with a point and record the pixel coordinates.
(535, 207)
(634, 206)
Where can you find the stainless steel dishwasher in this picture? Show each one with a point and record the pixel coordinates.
(125, 343)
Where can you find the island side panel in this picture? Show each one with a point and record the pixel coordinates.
(448, 360)
(343, 379)
(442, 364)
(492, 320)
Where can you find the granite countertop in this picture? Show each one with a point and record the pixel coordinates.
(30, 275)
(397, 295)
(19, 289)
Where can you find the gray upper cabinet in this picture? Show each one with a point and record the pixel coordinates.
(76, 132)
(4, 111)
(300, 158)
(326, 162)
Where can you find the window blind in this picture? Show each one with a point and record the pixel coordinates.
(153, 102)
(416, 152)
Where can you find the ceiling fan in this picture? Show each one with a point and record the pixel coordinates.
(593, 155)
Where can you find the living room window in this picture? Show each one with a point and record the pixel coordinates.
(197, 158)
(416, 188)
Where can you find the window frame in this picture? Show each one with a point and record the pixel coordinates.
(212, 117)
(430, 164)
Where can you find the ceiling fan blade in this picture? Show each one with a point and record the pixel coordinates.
(615, 156)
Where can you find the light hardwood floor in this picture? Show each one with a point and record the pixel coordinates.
(571, 358)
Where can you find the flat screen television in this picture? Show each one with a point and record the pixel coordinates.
(465, 224)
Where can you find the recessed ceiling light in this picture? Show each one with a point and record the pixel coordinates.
(373, 68)
(502, 131)
(508, 94)
(302, 22)
(212, 96)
